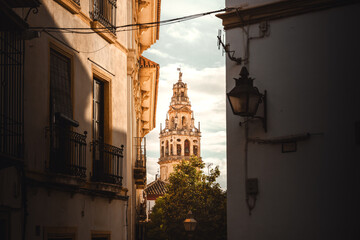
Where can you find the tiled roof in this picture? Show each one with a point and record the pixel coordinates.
(147, 63)
(155, 189)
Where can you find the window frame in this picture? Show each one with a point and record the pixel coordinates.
(100, 75)
(60, 49)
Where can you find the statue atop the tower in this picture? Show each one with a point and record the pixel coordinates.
(180, 74)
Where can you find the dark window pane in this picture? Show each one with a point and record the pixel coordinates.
(98, 112)
(60, 84)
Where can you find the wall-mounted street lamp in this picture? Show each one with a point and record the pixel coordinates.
(190, 224)
(244, 98)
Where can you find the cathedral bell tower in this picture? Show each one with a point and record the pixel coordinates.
(180, 139)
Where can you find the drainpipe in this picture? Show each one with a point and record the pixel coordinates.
(24, 201)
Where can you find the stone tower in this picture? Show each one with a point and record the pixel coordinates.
(180, 139)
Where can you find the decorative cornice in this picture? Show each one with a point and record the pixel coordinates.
(281, 9)
(73, 185)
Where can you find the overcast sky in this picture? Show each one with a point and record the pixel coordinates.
(192, 45)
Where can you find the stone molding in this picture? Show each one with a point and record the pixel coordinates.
(241, 17)
(73, 185)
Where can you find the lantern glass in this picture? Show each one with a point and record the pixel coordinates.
(190, 223)
(254, 101)
(244, 101)
(238, 104)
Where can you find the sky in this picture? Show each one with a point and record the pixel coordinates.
(191, 45)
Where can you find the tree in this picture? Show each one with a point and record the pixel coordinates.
(190, 189)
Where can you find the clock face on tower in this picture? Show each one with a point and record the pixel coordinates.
(180, 139)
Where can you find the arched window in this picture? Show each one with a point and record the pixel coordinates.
(167, 148)
(195, 150)
(172, 122)
(171, 150)
(178, 149)
(183, 121)
(162, 151)
(187, 147)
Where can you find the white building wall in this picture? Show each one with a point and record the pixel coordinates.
(309, 67)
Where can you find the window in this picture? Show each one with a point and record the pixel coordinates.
(183, 121)
(178, 150)
(104, 11)
(187, 147)
(195, 150)
(167, 148)
(172, 123)
(98, 110)
(63, 141)
(60, 90)
(11, 95)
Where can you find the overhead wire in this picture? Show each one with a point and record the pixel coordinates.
(123, 28)
(127, 27)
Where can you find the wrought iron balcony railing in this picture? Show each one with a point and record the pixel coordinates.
(67, 151)
(107, 163)
(140, 145)
(141, 212)
(104, 11)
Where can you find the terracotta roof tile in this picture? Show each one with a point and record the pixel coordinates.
(155, 189)
(147, 63)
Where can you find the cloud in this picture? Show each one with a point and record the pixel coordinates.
(160, 53)
(210, 163)
(183, 33)
(175, 8)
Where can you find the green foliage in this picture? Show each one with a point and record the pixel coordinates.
(190, 189)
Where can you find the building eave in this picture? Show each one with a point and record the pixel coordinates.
(241, 17)
(149, 81)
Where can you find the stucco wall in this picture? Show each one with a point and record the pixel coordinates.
(83, 212)
(309, 67)
(55, 208)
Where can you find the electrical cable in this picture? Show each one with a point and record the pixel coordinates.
(128, 27)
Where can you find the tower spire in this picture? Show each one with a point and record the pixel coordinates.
(180, 139)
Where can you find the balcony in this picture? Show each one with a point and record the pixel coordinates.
(141, 212)
(104, 11)
(107, 163)
(67, 151)
(140, 162)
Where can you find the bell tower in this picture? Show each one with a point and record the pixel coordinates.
(180, 139)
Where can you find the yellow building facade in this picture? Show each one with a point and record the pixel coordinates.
(83, 98)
